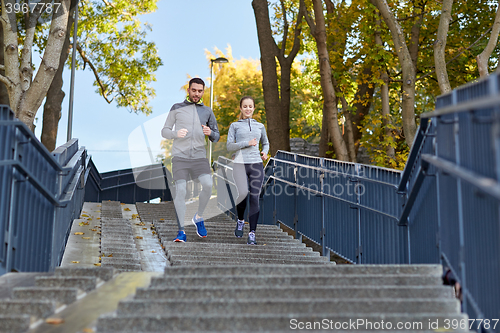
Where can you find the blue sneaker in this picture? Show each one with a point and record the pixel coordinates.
(181, 236)
(200, 226)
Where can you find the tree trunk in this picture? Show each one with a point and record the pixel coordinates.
(55, 95)
(276, 99)
(440, 45)
(386, 114)
(384, 92)
(408, 70)
(349, 133)
(269, 76)
(324, 140)
(4, 94)
(482, 59)
(25, 95)
(330, 111)
(415, 36)
(362, 104)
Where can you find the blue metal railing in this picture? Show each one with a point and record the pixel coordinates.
(41, 193)
(443, 208)
(128, 185)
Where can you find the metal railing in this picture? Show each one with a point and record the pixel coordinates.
(443, 208)
(41, 194)
(129, 185)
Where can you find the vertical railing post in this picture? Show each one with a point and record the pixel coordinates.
(295, 199)
(461, 252)
(324, 250)
(358, 202)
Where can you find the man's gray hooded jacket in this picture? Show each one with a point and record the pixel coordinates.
(190, 116)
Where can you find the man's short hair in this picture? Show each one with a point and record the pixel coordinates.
(196, 80)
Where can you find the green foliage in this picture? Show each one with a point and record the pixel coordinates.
(114, 43)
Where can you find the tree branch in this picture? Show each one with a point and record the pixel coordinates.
(107, 3)
(457, 55)
(482, 59)
(298, 31)
(285, 29)
(309, 19)
(96, 73)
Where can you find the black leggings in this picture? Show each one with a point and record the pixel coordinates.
(248, 176)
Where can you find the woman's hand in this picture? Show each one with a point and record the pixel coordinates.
(252, 142)
(263, 156)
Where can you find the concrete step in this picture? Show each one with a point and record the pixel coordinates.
(35, 308)
(223, 227)
(62, 295)
(199, 246)
(241, 249)
(223, 224)
(122, 264)
(306, 305)
(245, 257)
(283, 292)
(304, 280)
(268, 322)
(14, 323)
(294, 270)
(247, 262)
(85, 283)
(102, 273)
(193, 237)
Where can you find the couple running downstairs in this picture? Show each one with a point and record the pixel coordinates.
(187, 125)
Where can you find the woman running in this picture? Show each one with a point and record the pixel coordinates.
(248, 172)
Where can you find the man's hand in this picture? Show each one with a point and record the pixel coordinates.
(182, 133)
(206, 130)
(252, 142)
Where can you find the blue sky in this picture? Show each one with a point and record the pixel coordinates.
(182, 31)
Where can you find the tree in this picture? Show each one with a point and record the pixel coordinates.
(408, 70)
(482, 59)
(277, 98)
(122, 60)
(25, 92)
(330, 110)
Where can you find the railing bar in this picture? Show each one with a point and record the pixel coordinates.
(336, 198)
(487, 185)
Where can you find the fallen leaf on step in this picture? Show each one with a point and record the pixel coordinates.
(85, 215)
(88, 330)
(153, 251)
(54, 321)
(110, 255)
(127, 209)
(99, 264)
(138, 237)
(144, 228)
(98, 218)
(93, 229)
(162, 219)
(75, 262)
(154, 232)
(79, 233)
(85, 237)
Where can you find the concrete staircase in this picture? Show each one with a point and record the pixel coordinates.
(29, 306)
(219, 283)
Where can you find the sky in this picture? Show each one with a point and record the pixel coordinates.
(182, 30)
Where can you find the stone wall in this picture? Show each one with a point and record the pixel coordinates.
(301, 146)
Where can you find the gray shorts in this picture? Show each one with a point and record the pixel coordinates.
(187, 169)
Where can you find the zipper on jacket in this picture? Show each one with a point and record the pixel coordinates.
(249, 125)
